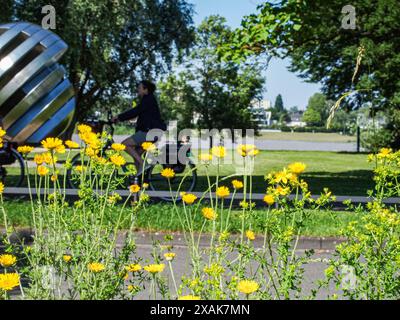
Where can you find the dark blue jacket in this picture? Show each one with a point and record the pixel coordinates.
(148, 114)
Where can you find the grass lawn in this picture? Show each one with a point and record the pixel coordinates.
(307, 136)
(343, 173)
(162, 217)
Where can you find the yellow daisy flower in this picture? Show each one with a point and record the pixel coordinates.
(1, 187)
(96, 267)
(169, 256)
(248, 286)
(189, 198)
(25, 149)
(54, 144)
(250, 235)
(9, 281)
(7, 260)
(119, 147)
(148, 146)
(155, 268)
(237, 184)
(223, 192)
(219, 152)
(269, 199)
(297, 168)
(134, 188)
(117, 160)
(209, 213)
(133, 268)
(72, 144)
(42, 170)
(67, 258)
(168, 173)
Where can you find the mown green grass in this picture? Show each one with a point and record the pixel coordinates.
(343, 173)
(162, 217)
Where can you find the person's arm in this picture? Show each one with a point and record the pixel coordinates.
(132, 113)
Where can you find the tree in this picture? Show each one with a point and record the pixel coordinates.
(112, 43)
(218, 93)
(317, 111)
(279, 104)
(310, 33)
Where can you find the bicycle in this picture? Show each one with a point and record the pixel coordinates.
(12, 165)
(185, 173)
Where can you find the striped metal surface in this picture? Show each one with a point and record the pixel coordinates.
(36, 98)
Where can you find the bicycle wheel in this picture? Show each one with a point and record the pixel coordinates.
(12, 168)
(184, 181)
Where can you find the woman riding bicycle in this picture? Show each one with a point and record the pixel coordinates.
(148, 118)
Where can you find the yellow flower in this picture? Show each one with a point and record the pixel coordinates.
(134, 188)
(169, 256)
(297, 168)
(79, 168)
(218, 152)
(148, 146)
(48, 158)
(223, 192)
(84, 128)
(54, 144)
(96, 267)
(90, 152)
(118, 147)
(189, 198)
(189, 297)
(90, 138)
(1, 187)
(168, 173)
(117, 160)
(250, 235)
(54, 178)
(42, 170)
(248, 286)
(269, 199)
(133, 268)
(248, 150)
(237, 184)
(205, 157)
(67, 258)
(254, 153)
(9, 281)
(155, 268)
(209, 213)
(282, 191)
(282, 176)
(145, 185)
(38, 158)
(72, 144)
(7, 260)
(384, 152)
(25, 149)
(2, 132)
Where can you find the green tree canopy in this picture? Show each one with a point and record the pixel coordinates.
(218, 94)
(310, 33)
(279, 107)
(317, 111)
(112, 44)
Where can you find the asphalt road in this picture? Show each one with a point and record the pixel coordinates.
(283, 145)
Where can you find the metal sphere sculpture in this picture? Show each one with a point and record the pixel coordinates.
(36, 98)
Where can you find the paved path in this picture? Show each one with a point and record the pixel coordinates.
(289, 145)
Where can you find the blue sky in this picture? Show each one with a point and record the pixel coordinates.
(294, 90)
